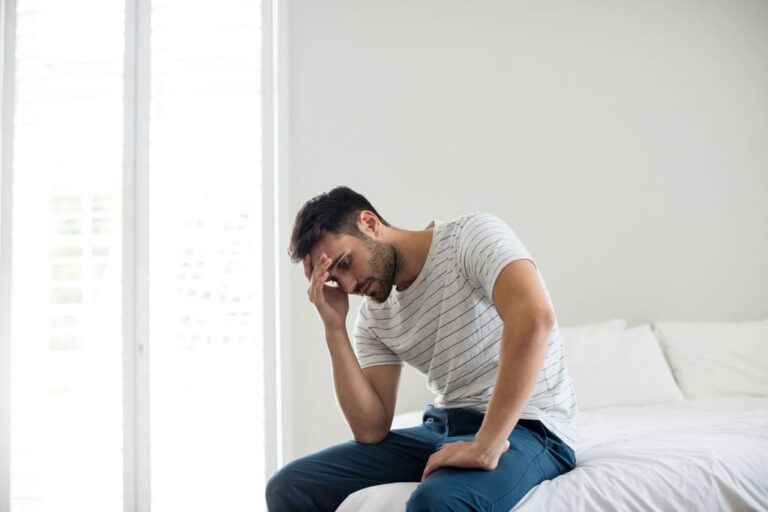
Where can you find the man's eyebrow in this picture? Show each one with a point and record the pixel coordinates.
(336, 261)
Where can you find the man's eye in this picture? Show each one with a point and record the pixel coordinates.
(344, 263)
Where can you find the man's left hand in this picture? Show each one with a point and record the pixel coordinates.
(463, 454)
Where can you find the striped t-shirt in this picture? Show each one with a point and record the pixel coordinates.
(446, 326)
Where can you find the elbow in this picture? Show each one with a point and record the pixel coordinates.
(541, 320)
(546, 319)
(371, 436)
(369, 439)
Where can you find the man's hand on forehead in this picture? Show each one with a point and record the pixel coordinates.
(309, 267)
(326, 265)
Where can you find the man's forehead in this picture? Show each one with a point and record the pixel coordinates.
(332, 245)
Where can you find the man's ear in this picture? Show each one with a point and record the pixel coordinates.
(368, 223)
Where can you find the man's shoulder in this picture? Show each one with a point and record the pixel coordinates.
(462, 220)
(469, 223)
(466, 220)
(476, 217)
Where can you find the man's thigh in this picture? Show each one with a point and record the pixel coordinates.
(322, 480)
(533, 456)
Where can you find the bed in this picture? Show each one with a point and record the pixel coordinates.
(687, 428)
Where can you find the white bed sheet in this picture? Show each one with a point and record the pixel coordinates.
(704, 454)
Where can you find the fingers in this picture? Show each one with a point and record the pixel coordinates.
(318, 285)
(317, 278)
(432, 465)
(309, 271)
(320, 272)
(322, 266)
(437, 459)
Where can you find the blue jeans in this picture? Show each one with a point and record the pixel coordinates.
(322, 480)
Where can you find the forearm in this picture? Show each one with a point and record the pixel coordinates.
(523, 349)
(359, 402)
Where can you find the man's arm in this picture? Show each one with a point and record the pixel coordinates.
(366, 397)
(528, 318)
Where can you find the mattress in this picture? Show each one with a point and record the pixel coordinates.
(703, 454)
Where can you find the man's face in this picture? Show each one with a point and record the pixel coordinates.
(359, 266)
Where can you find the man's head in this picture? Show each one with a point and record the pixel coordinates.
(347, 228)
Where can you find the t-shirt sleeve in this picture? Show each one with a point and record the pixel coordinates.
(369, 349)
(486, 245)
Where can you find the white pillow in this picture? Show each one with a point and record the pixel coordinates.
(407, 419)
(717, 358)
(581, 331)
(619, 368)
(414, 418)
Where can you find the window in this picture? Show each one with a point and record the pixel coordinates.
(133, 256)
(205, 256)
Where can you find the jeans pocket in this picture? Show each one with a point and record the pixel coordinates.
(544, 433)
(564, 454)
(558, 450)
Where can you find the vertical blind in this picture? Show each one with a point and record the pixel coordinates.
(205, 396)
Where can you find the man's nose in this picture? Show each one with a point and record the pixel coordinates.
(347, 283)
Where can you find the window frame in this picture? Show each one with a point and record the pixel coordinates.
(7, 69)
(135, 224)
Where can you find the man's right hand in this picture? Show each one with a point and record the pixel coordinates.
(331, 302)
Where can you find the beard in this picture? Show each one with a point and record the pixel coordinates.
(384, 264)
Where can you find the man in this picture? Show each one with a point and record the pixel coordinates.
(464, 303)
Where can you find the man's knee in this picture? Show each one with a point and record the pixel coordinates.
(277, 493)
(284, 491)
(418, 502)
(429, 497)
(301, 486)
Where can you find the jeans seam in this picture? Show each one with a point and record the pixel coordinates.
(522, 475)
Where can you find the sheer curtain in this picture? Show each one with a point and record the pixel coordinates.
(134, 253)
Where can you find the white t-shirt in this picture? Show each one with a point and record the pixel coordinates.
(445, 325)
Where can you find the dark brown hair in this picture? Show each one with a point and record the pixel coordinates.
(334, 212)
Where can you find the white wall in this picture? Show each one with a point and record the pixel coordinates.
(625, 142)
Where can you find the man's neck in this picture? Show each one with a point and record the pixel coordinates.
(412, 250)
